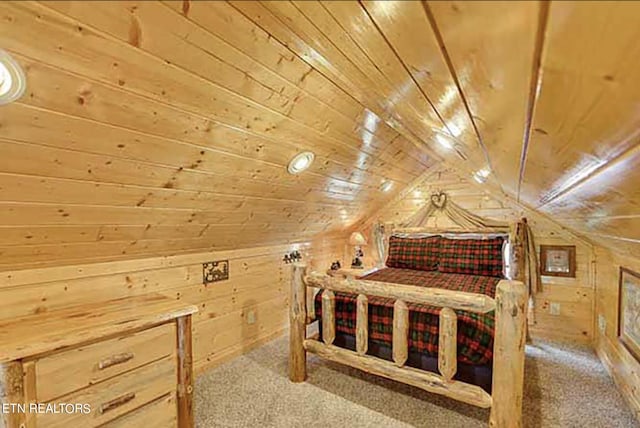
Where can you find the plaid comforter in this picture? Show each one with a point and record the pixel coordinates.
(475, 331)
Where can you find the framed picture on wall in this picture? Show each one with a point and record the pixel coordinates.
(629, 311)
(558, 260)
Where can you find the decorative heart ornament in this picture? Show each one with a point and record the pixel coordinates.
(439, 199)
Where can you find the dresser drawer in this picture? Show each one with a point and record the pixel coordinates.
(161, 413)
(69, 371)
(117, 396)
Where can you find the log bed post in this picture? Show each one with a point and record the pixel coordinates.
(508, 356)
(362, 324)
(328, 317)
(518, 251)
(447, 344)
(400, 339)
(298, 324)
(185, 372)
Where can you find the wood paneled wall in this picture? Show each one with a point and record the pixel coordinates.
(149, 129)
(257, 289)
(178, 118)
(624, 368)
(575, 295)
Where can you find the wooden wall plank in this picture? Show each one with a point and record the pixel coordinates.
(620, 363)
(248, 307)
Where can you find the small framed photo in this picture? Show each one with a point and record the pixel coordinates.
(629, 311)
(558, 260)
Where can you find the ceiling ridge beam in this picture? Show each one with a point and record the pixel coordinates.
(421, 145)
(404, 66)
(454, 75)
(534, 88)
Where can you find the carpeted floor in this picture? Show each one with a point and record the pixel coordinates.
(565, 386)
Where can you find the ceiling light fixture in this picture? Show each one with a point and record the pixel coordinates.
(12, 79)
(444, 142)
(455, 131)
(482, 175)
(300, 162)
(386, 186)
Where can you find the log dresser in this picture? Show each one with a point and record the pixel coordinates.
(128, 360)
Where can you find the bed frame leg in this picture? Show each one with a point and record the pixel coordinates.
(298, 325)
(508, 356)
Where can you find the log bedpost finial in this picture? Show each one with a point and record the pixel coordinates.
(297, 324)
(508, 355)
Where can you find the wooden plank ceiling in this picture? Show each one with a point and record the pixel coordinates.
(156, 128)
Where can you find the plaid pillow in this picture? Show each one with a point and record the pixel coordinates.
(414, 253)
(472, 256)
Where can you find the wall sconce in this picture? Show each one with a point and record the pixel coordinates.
(358, 240)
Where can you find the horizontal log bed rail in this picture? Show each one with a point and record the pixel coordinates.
(509, 304)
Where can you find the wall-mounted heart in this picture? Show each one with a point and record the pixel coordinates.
(439, 199)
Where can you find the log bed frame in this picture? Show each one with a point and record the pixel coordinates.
(510, 305)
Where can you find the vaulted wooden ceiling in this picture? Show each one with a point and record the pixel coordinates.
(163, 127)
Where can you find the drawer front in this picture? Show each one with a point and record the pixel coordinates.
(117, 396)
(159, 413)
(69, 371)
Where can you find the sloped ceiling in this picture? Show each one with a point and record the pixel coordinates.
(163, 127)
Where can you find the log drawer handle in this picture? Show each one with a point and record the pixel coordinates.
(114, 360)
(116, 402)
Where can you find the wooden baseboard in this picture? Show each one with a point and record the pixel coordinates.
(609, 366)
(222, 357)
(539, 333)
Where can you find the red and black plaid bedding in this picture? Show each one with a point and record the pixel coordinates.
(472, 256)
(414, 253)
(475, 331)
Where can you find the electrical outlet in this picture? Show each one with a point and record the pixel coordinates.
(554, 308)
(602, 323)
(251, 317)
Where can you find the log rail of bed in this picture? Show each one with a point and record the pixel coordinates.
(509, 338)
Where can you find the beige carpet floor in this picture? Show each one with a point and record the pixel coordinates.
(566, 386)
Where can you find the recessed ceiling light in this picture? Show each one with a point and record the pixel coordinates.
(386, 186)
(12, 80)
(481, 175)
(300, 162)
(444, 142)
(455, 131)
(417, 193)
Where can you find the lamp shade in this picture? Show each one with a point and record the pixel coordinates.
(357, 238)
